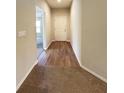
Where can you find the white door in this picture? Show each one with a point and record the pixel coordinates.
(60, 28)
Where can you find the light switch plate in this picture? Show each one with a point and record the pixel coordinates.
(22, 33)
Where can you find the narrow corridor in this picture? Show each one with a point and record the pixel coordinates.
(58, 71)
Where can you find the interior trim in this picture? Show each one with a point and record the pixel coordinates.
(89, 70)
(20, 83)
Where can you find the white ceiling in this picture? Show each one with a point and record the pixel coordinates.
(62, 4)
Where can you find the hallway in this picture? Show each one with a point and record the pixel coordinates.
(58, 71)
(74, 43)
(59, 54)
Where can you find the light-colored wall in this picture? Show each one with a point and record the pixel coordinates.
(26, 55)
(25, 46)
(47, 30)
(75, 26)
(61, 12)
(88, 25)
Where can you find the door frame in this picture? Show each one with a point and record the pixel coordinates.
(43, 23)
(65, 29)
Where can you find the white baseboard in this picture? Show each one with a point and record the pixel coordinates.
(60, 41)
(48, 45)
(93, 73)
(20, 83)
(67, 40)
(90, 71)
(53, 40)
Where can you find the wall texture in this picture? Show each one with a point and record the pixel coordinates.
(25, 46)
(75, 26)
(61, 12)
(26, 55)
(89, 25)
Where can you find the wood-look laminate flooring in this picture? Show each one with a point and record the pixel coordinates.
(58, 71)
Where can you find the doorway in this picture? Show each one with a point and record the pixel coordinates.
(39, 30)
(60, 28)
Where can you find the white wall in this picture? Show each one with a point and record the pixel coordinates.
(75, 26)
(89, 35)
(26, 55)
(25, 46)
(61, 12)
